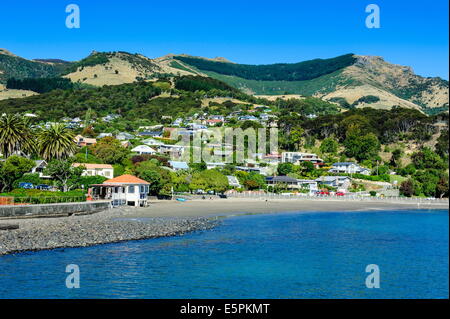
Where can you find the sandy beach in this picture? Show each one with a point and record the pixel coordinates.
(231, 206)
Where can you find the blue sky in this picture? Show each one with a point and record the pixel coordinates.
(413, 33)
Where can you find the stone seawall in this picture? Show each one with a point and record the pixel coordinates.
(52, 210)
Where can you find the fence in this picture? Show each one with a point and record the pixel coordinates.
(340, 198)
(33, 200)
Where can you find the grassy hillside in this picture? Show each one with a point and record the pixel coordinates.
(324, 84)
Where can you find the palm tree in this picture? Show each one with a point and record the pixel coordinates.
(56, 142)
(15, 135)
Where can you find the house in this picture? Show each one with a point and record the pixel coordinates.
(213, 122)
(248, 169)
(39, 167)
(152, 142)
(233, 181)
(213, 165)
(348, 168)
(283, 181)
(174, 151)
(196, 127)
(84, 141)
(309, 184)
(143, 149)
(334, 181)
(105, 170)
(122, 190)
(122, 136)
(126, 144)
(247, 118)
(102, 135)
(178, 166)
(299, 157)
(272, 158)
(151, 133)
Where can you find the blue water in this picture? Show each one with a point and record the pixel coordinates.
(289, 255)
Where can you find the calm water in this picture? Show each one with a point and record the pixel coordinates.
(291, 255)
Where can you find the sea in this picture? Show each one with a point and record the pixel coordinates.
(296, 255)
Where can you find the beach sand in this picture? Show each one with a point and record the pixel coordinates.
(231, 206)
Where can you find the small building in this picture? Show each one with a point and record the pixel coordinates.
(174, 151)
(282, 181)
(299, 157)
(272, 158)
(102, 135)
(122, 190)
(233, 181)
(105, 170)
(349, 168)
(84, 141)
(124, 136)
(334, 181)
(178, 166)
(143, 149)
(39, 168)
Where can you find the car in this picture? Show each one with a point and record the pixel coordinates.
(26, 185)
(223, 196)
(322, 193)
(44, 187)
(340, 194)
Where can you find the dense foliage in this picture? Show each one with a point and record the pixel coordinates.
(19, 68)
(40, 85)
(301, 71)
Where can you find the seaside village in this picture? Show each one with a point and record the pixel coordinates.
(132, 166)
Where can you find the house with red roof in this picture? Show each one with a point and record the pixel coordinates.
(122, 190)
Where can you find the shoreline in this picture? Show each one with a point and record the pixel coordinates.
(164, 219)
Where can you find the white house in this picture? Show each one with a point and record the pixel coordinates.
(123, 190)
(233, 181)
(349, 168)
(104, 170)
(334, 181)
(39, 167)
(298, 157)
(178, 166)
(143, 149)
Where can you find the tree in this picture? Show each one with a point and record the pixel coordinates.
(15, 135)
(159, 178)
(426, 158)
(64, 173)
(12, 169)
(56, 142)
(109, 150)
(395, 158)
(442, 187)
(285, 168)
(329, 145)
(407, 188)
(361, 147)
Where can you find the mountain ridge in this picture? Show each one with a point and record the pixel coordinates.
(345, 80)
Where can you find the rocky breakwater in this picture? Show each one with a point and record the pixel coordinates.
(80, 231)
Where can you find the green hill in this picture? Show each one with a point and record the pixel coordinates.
(19, 68)
(301, 71)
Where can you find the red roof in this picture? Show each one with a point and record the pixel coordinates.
(126, 179)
